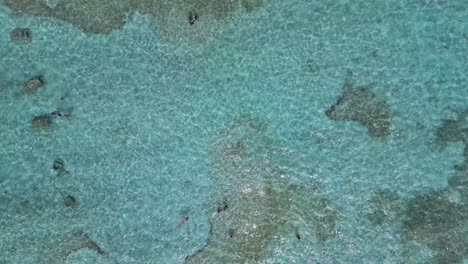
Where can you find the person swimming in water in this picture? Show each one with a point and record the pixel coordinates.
(183, 221)
(224, 206)
(193, 17)
(21, 35)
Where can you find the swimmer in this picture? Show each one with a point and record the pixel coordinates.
(231, 232)
(21, 34)
(55, 113)
(183, 221)
(59, 167)
(222, 208)
(193, 17)
(58, 113)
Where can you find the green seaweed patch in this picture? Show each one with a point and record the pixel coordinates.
(361, 105)
(432, 219)
(386, 207)
(262, 205)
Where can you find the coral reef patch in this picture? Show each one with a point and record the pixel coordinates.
(360, 104)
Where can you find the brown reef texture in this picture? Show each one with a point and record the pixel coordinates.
(171, 17)
(432, 219)
(361, 105)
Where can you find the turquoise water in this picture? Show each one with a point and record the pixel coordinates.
(165, 125)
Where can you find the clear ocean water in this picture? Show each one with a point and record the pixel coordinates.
(227, 122)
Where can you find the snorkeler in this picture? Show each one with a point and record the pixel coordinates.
(183, 221)
(21, 35)
(193, 17)
(224, 207)
(58, 113)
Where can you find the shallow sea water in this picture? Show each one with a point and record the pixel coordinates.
(166, 125)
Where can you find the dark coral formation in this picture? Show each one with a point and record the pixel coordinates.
(360, 104)
(89, 16)
(96, 16)
(244, 233)
(386, 207)
(456, 131)
(262, 204)
(432, 219)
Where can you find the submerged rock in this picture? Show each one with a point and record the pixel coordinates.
(70, 201)
(34, 84)
(42, 121)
